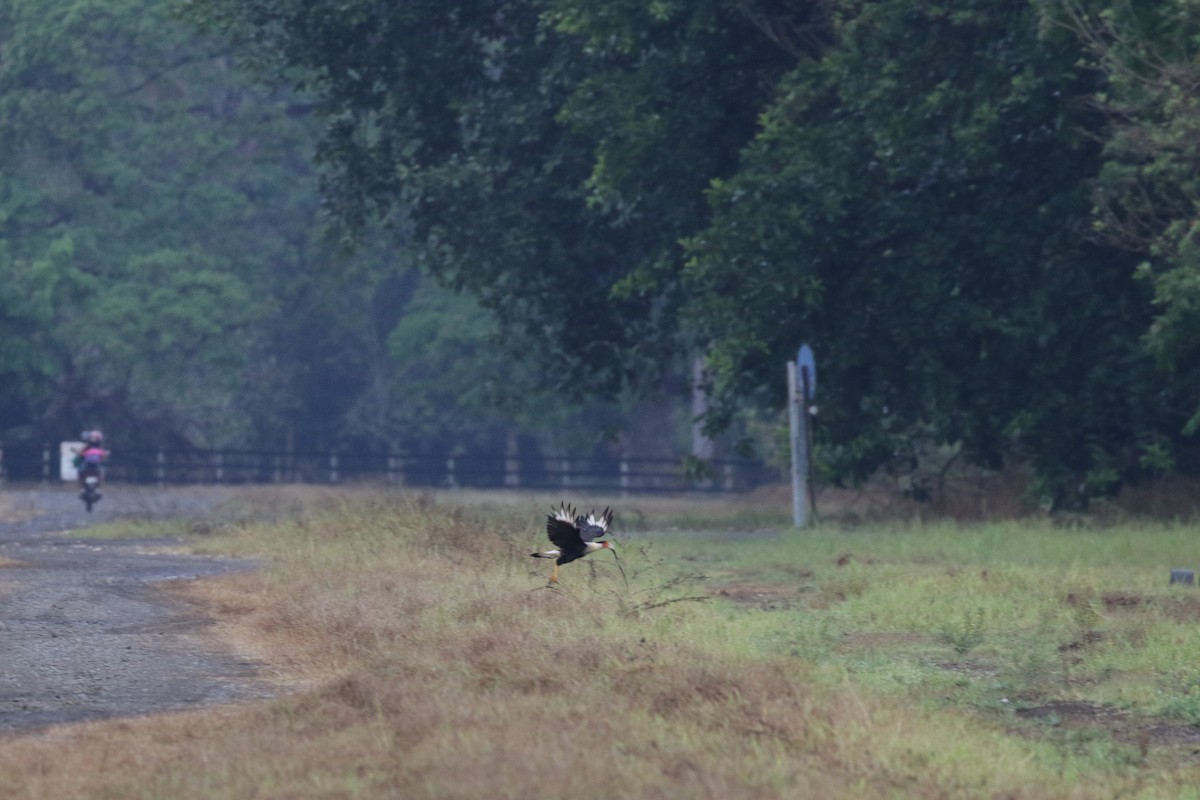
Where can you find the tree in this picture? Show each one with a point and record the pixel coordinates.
(165, 272)
(546, 172)
(447, 383)
(623, 184)
(26, 359)
(914, 208)
(157, 216)
(1148, 193)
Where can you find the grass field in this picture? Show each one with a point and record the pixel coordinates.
(419, 654)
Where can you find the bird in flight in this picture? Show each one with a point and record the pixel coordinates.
(574, 536)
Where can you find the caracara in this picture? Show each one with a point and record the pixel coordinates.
(574, 536)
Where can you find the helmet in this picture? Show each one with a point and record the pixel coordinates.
(93, 437)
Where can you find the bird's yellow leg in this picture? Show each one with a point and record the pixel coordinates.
(554, 577)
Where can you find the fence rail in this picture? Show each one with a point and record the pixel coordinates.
(24, 462)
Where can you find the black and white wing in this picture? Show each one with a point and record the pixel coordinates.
(562, 530)
(594, 527)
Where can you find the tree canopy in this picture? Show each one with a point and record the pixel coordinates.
(165, 268)
(124, 234)
(1148, 191)
(916, 201)
(979, 213)
(915, 190)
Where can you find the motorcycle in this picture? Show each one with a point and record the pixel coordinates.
(91, 488)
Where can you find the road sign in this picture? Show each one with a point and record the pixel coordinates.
(806, 371)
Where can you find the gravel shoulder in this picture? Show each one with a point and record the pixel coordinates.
(86, 631)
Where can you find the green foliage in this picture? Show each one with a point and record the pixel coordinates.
(164, 268)
(135, 164)
(613, 187)
(1147, 194)
(166, 271)
(904, 188)
(534, 160)
(913, 201)
(440, 329)
(26, 360)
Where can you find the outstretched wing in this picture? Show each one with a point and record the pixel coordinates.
(592, 527)
(561, 529)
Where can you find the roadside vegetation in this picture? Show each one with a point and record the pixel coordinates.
(419, 654)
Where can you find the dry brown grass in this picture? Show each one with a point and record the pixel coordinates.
(420, 656)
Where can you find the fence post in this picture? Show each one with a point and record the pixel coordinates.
(1, 463)
(624, 478)
(160, 468)
(797, 416)
(450, 481)
(220, 459)
(46, 463)
(393, 468)
(728, 470)
(333, 467)
(566, 473)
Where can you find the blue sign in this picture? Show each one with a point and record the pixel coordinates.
(807, 365)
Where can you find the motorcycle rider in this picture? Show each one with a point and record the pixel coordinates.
(90, 458)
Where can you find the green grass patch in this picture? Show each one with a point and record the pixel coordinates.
(1030, 626)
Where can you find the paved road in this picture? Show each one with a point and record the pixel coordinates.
(84, 633)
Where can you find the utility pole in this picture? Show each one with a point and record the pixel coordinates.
(802, 385)
(797, 419)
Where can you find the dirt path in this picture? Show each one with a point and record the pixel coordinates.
(85, 632)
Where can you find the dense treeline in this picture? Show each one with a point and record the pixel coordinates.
(980, 213)
(156, 250)
(166, 271)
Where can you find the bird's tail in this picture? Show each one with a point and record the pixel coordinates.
(547, 554)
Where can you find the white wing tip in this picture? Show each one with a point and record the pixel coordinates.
(565, 513)
(600, 521)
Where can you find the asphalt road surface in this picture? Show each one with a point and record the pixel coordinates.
(85, 632)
